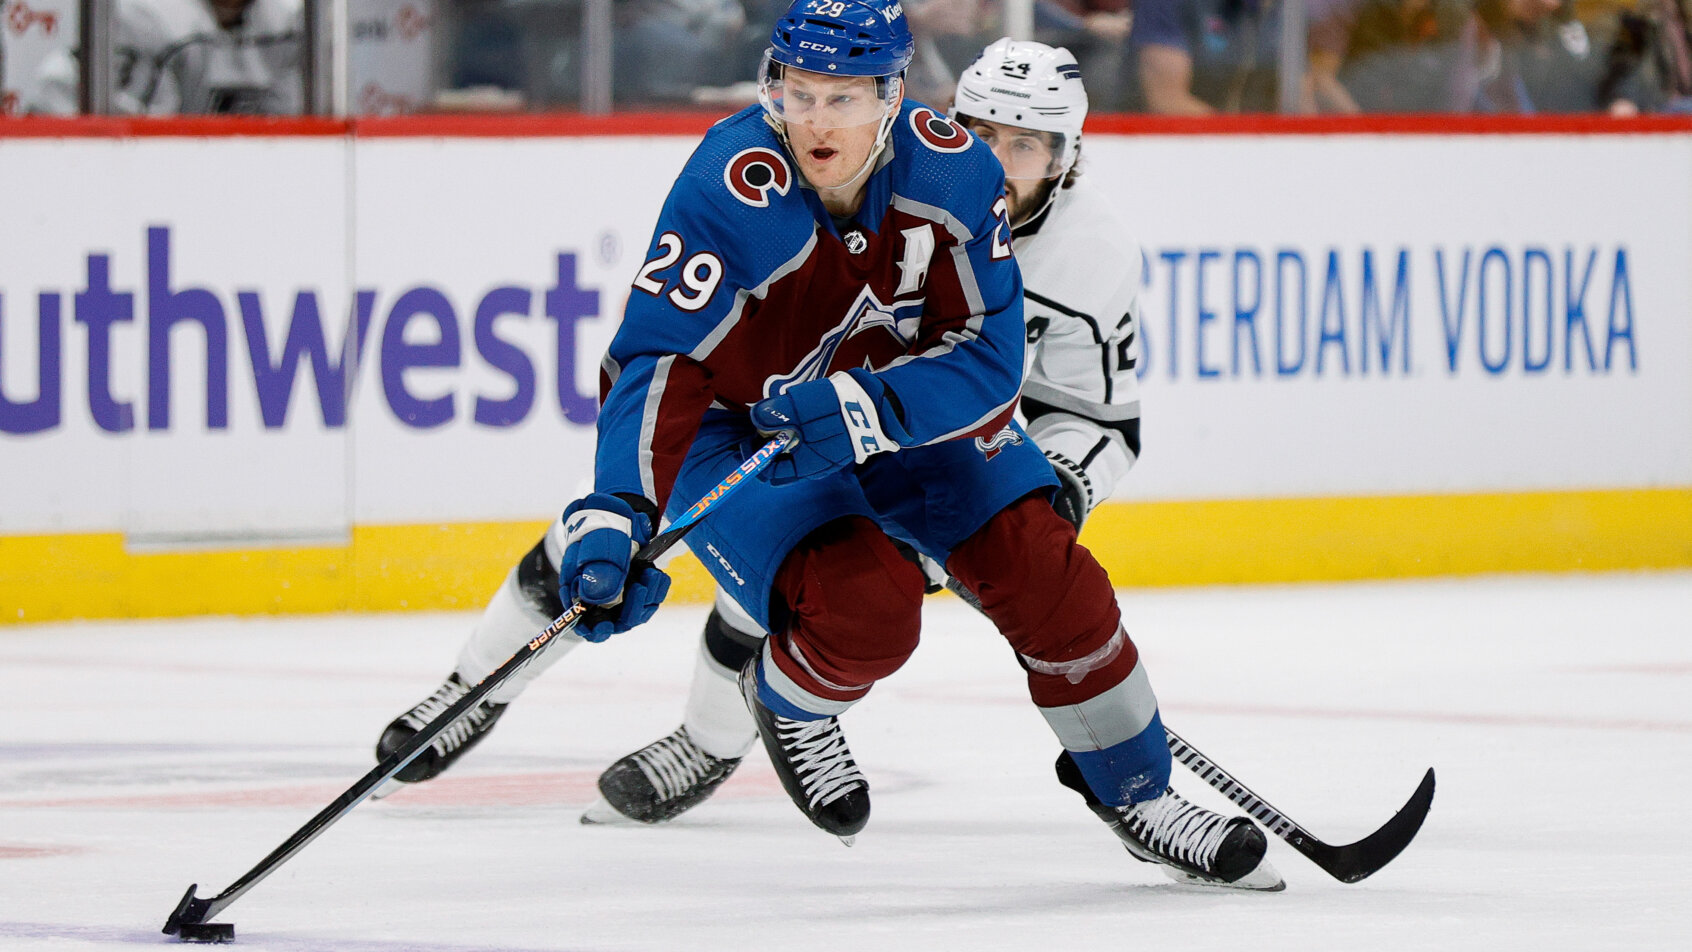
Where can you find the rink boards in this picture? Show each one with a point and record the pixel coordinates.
(326, 367)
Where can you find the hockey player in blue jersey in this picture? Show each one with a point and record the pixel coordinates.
(835, 263)
(1081, 275)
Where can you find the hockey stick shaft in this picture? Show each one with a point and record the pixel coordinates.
(1348, 863)
(194, 910)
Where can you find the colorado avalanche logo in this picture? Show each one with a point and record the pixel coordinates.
(938, 132)
(866, 312)
(753, 173)
(991, 445)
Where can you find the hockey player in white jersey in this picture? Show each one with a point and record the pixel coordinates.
(190, 57)
(1081, 276)
(1081, 271)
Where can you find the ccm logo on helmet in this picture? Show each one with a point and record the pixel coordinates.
(938, 132)
(753, 173)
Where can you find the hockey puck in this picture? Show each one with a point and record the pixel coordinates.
(207, 932)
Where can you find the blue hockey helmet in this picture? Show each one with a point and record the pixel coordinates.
(844, 37)
(855, 39)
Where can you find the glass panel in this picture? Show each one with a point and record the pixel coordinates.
(1196, 57)
(168, 57)
(391, 68)
(504, 55)
(208, 57)
(38, 70)
(536, 54)
(948, 34)
(1178, 57)
(1097, 33)
(682, 52)
(1388, 57)
(1497, 56)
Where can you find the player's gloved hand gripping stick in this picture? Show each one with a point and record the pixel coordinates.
(602, 569)
(836, 421)
(188, 920)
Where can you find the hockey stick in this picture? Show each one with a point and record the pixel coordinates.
(1348, 863)
(190, 915)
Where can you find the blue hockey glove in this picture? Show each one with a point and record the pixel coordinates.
(601, 535)
(839, 420)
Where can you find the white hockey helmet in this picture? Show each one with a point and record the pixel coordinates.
(1030, 85)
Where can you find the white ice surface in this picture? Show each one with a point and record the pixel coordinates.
(139, 757)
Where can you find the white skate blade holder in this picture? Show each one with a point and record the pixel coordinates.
(1262, 879)
(602, 813)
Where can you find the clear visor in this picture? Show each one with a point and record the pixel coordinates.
(1026, 154)
(821, 101)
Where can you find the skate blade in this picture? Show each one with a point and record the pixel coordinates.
(849, 840)
(388, 788)
(602, 813)
(1262, 879)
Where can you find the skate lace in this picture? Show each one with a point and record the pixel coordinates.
(674, 765)
(460, 730)
(820, 758)
(1173, 827)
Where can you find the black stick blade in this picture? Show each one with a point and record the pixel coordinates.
(189, 911)
(1359, 860)
(208, 932)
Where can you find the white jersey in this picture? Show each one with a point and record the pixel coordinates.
(171, 58)
(1081, 276)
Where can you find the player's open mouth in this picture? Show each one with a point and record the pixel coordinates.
(822, 155)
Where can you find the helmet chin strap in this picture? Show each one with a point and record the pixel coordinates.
(1052, 185)
(880, 144)
(881, 138)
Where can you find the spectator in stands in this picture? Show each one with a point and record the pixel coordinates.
(1384, 55)
(190, 57)
(1649, 66)
(1096, 31)
(1195, 57)
(1524, 56)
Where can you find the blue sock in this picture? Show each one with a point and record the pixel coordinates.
(1133, 771)
(781, 706)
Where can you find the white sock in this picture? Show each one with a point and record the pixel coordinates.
(506, 625)
(716, 716)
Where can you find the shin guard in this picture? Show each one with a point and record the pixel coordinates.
(854, 607)
(1054, 603)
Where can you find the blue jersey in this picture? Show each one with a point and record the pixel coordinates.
(749, 286)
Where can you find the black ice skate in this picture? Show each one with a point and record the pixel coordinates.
(659, 782)
(813, 762)
(453, 742)
(1191, 844)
